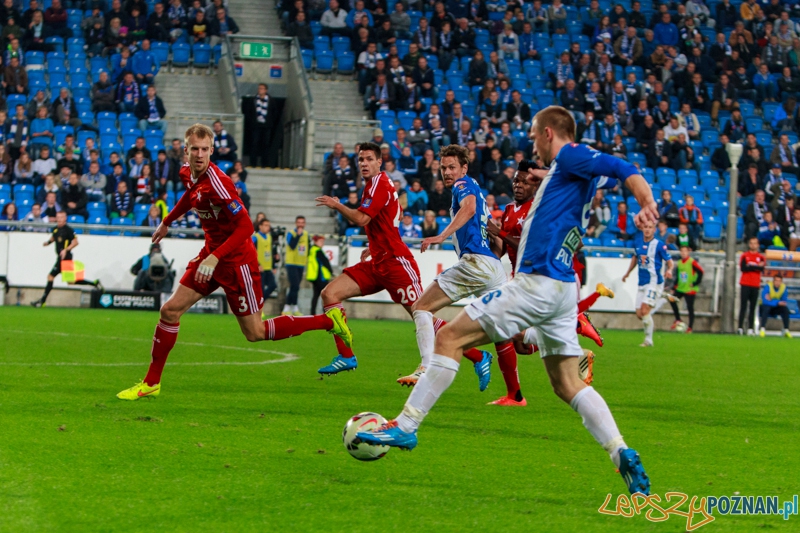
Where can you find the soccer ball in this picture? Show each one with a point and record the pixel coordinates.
(681, 327)
(355, 446)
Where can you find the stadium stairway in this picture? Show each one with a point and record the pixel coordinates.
(255, 17)
(284, 194)
(336, 100)
(205, 97)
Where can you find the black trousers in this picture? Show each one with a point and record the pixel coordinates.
(689, 298)
(777, 311)
(268, 284)
(749, 299)
(260, 146)
(318, 286)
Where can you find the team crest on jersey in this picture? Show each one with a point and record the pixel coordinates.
(366, 203)
(234, 207)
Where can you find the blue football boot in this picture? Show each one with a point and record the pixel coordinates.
(389, 434)
(339, 364)
(632, 471)
(484, 370)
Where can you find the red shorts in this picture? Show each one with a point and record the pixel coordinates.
(397, 275)
(241, 283)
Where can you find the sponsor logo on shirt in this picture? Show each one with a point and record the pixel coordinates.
(367, 203)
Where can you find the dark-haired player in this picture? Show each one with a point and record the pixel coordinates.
(66, 241)
(387, 264)
(227, 260)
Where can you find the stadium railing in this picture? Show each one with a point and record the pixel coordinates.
(102, 229)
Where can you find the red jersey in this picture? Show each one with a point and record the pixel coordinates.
(511, 222)
(221, 212)
(379, 201)
(752, 266)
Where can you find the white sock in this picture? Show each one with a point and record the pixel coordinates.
(598, 420)
(659, 304)
(425, 335)
(287, 308)
(295, 309)
(529, 337)
(647, 322)
(436, 379)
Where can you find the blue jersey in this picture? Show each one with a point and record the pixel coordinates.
(560, 211)
(651, 256)
(472, 237)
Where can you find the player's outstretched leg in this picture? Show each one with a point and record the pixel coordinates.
(345, 360)
(597, 418)
(96, 284)
(333, 321)
(601, 290)
(507, 360)
(588, 330)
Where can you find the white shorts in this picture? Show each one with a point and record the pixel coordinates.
(531, 300)
(648, 294)
(473, 275)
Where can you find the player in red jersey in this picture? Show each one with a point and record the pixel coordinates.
(227, 260)
(386, 264)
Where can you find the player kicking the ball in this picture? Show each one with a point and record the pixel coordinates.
(541, 294)
(227, 260)
(386, 265)
(477, 271)
(650, 254)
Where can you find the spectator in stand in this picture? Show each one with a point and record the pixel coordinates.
(793, 229)
(150, 111)
(774, 298)
(39, 100)
(660, 152)
(478, 70)
(765, 85)
(103, 94)
(409, 230)
(380, 96)
(755, 215)
(302, 30)
(10, 213)
(74, 197)
(691, 215)
(572, 99)
(50, 206)
(23, 173)
(50, 186)
(395, 175)
(367, 61)
(785, 157)
(502, 189)
(198, 28)
(665, 32)
(424, 78)
(440, 199)
(720, 159)
(17, 134)
(121, 63)
(42, 131)
(136, 24)
(508, 43)
(492, 169)
(34, 37)
(158, 24)
(165, 173)
(122, 202)
(128, 94)
(417, 198)
(624, 226)
(221, 26)
(177, 19)
(724, 96)
(16, 78)
(94, 182)
(769, 234)
(430, 228)
(55, 17)
(785, 118)
(735, 127)
(224, 144)
(42, 167)
(65, 112)
(425, 37)
(518, 112)
(144, 64)
(334, 21)
(139, 146)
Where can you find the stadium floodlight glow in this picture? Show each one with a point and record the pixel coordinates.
(734, 153)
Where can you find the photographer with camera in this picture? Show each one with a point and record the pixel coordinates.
(153, 272)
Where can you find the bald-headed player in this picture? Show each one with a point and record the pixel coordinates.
(541, 294)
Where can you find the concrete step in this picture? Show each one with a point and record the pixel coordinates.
(337, 99)
(255, 17)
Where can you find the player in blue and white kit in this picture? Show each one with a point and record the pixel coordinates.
(541, 294)
(650, 254)
(478, 269)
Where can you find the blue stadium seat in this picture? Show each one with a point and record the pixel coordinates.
(76, 219)
(324, 61)
(764, 139)
(13, 100)
(180, 54)
(712, 229)
(308, 58)
(56, 42)
(406, 119)
(201, 55)
(666, 177)
(33, 58)
(140, 213)
(687, 177)
(754, 125)
(340, 44)
(709, 136)
(96, 209)
(345, 63)
(160, 50)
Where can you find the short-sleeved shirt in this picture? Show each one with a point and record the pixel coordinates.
(379, 201)
(218, 206)
(472, 237)
(62, 237)
(511, 222)
(651, 256)
(557, 219)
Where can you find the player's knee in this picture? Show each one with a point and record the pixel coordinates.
(253, 336)
(170, 313)
(563, 388)
(447, 340)
(328, 295)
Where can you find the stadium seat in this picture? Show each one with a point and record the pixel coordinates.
(180, 55)
(345, 63)
(666, 177)
(76, 219)
(712, 229)
(308, 58)
(324, 61)
(201, 55)
(687, 177)
(406, 119)
(160, 50)
(140, 213)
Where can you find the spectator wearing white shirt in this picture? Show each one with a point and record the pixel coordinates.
(334, 20)
(674, 129)
(35, 215)
(94, 182)
(366, 62)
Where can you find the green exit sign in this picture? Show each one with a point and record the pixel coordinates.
(255, 50)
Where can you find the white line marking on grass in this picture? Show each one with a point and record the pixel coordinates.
(285, 357)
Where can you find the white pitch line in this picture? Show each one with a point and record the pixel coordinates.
(285, 357)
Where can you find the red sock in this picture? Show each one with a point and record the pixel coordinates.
(507, 360)
(588, 302)
(341, 348)
(473, 354)
(283, 327)
(163, 340)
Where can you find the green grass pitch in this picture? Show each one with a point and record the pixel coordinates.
(258, 447)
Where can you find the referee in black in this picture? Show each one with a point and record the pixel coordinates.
(65, 240)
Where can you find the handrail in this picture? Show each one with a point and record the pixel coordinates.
(24, 225)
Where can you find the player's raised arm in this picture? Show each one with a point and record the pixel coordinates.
(354, 216)
(624, 172)
(181, 208)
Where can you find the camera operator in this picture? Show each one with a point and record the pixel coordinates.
(153, 272)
